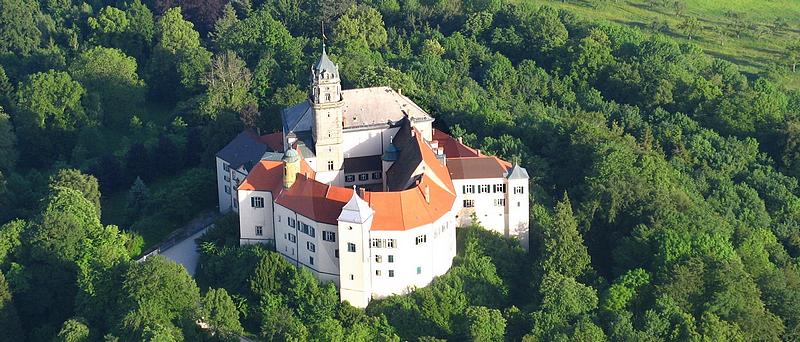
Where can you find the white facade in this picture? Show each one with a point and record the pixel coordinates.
(498, 204)
(228, 180)
(256, 217)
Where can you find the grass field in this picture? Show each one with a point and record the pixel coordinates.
(753, 52)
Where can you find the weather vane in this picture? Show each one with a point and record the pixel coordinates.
(323, 32)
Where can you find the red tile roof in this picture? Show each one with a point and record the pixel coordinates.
(274, 141)
(453, 148)
(267, 175)
(477, 167)
(317, 201)
(402, 210)
(465, 162)
(397, 210)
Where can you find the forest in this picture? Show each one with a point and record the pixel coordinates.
(665, 201)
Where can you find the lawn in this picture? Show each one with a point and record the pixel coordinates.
(753, 52)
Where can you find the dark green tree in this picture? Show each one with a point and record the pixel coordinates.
(220, 313)
(76, 180)
(18, 26)
(157, 297)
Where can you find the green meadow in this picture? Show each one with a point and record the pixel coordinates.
(760, 47)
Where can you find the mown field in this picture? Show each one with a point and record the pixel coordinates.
(760, 47)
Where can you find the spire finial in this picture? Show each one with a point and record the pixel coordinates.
(323, 35)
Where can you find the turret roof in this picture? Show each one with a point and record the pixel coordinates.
(356, 210)
(325, 63)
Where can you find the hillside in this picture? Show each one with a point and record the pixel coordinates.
(665, 202)
(767, 27)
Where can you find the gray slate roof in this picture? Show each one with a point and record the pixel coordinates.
(297, 118)
(246, 149)
(362, 164)
(325, 64)
(401, 172)
(518, 172)
(362, 107)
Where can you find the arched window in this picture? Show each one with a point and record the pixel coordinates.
(327, 97)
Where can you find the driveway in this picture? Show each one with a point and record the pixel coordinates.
(185, 252)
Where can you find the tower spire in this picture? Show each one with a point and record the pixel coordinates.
(323, 35)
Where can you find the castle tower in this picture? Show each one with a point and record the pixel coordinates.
(325, 95)
(355, 276)
(517, 203)
(291, 166)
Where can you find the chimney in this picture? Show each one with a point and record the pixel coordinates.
(460, 140)
(479, 152)
(362, 192)
(400, 91)
(427, 193)
(434, 145)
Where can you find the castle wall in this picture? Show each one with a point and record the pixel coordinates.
(409, 264)
(296, 247)
(224, 189)
(367, 142)
(250, 218)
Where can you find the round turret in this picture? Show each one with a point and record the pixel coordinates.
(291, 156)
(291, 166)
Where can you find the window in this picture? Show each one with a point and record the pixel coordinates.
(336, 254)
(518, 204)
(469, 189)
(378, 243)
(257, 202)
(469, 203)
(390, 258)
(259, 230)
(350, 178)
(390, 243)
(327, 97)
(422, 239)
(227, 189)
(328, 236)
(352, 277)
(291, 222)
(311, 247)
(499, 202)
(226, 167)
(303, 227)
(483, 188)
(279, 218)
(378, 258)
(311, 260)
(330, 165)
(419, 270)
(391, 273)
(519, 190)
(378, 273)
(499, 188)
(363, 176)
(292, 237)
(227, 178)
(377, 175)
(351, 247)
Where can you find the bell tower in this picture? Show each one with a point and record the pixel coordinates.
(325, 95)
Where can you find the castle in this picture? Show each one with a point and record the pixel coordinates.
(363, 191)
